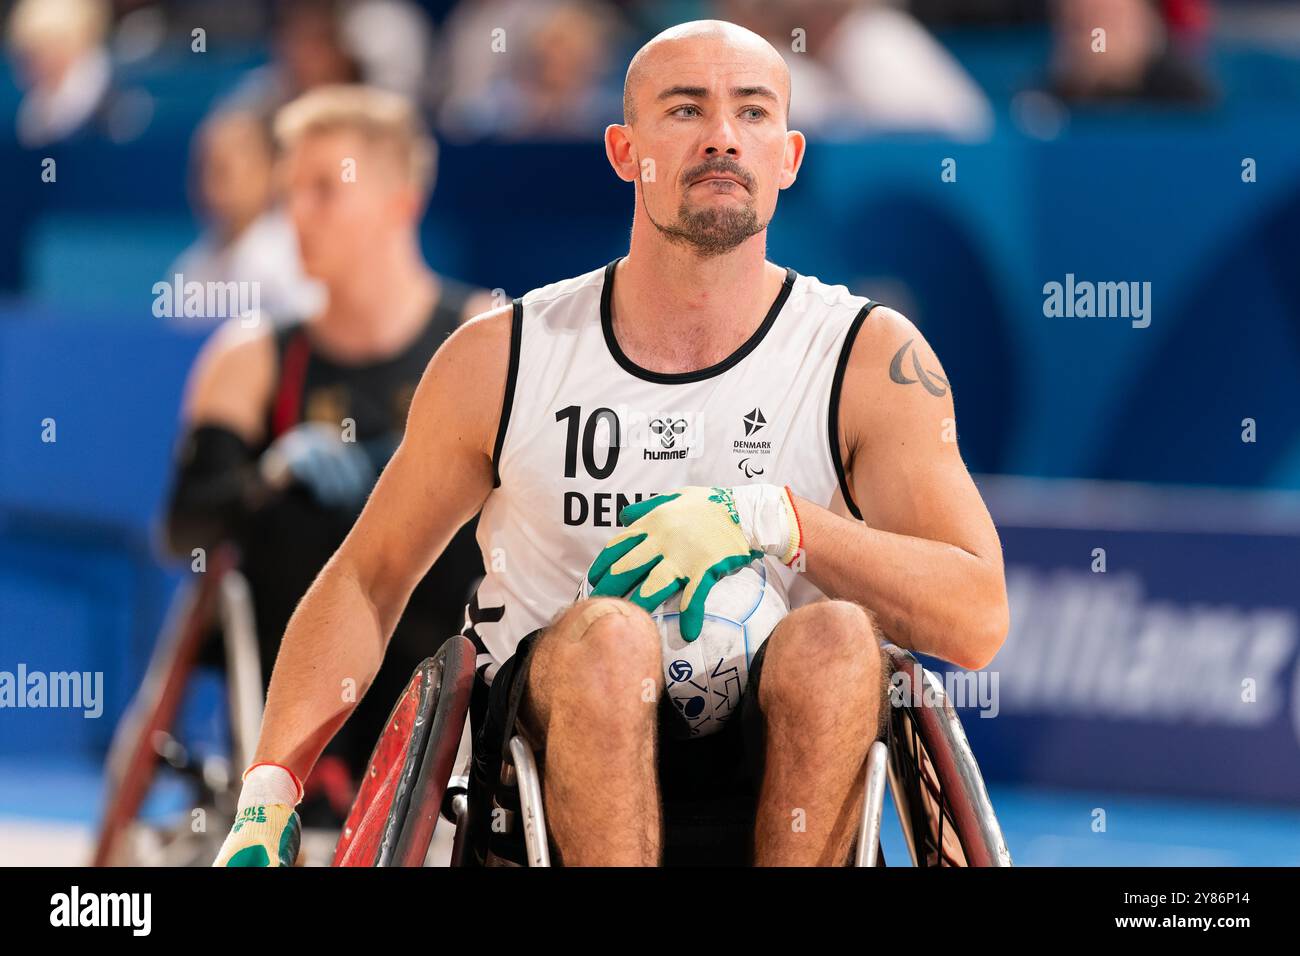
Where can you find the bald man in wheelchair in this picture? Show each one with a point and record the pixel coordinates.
(862, 512)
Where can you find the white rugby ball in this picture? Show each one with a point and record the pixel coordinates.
(705, 678)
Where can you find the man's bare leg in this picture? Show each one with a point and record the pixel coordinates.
(821, 690)
(592, 698)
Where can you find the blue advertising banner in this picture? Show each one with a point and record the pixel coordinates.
(1153, 644)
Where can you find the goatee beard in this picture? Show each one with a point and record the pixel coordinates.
(713, 232)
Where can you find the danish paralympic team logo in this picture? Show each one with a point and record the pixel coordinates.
(752, 421)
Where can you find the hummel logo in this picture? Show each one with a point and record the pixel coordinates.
(932, 382)
(668, 429)
(754, 421)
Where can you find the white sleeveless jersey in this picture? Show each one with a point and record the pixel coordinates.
(585, 431)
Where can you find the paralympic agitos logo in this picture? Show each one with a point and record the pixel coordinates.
(932, 382)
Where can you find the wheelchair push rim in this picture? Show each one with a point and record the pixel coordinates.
(939, 793)
(396, 808)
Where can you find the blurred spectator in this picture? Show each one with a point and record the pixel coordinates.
(392, 40)
(316, 43)
(246, 237)
(554, 79)
(64, 65)
(309, 49)
(858, 66)
(1139, 61)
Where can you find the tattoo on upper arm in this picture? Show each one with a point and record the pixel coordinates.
(932, 382)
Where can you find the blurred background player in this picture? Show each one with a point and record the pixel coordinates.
(288, 428)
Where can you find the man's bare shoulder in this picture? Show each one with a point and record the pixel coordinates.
(480, 302)
(485, 332)
(477, 354)
(893, 381)
(465, 382)
(890, 350)
(232, 378)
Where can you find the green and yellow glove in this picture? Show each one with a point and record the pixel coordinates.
(688, 540)
(267, 831)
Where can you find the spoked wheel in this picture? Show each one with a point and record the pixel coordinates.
(397, 806)
(938, 790)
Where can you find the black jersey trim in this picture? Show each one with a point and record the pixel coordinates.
(673, 378)
(833, 418)
(508, 400)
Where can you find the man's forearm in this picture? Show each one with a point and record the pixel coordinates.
(331, 652)
(927, 595)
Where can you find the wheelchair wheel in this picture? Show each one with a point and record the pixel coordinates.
(142, 737)
(397, 806)
(938, 791)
